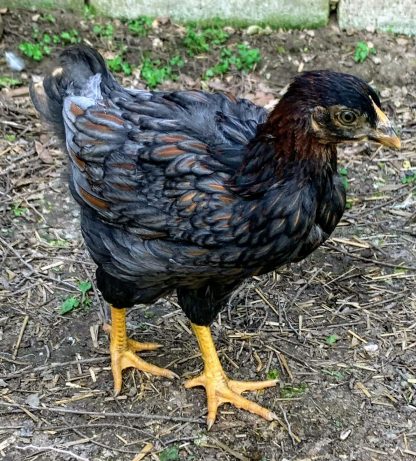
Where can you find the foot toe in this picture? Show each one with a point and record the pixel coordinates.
(244, 386)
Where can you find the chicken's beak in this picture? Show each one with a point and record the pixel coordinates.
(384, 132)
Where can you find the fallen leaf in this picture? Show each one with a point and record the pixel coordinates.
(43, 153)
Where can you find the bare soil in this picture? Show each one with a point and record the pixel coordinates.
(339, 328)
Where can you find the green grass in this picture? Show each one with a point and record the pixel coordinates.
(331, 339)
(80, 300)
(363, 51)
(118, 64)
(18, 211)
(242, 58)
(289, 392)
(246, 58)
(42, 45)
(343, 172)
(10, 137)
(409, 177)
(170, 454)
(69, 36)
(154, 72)
(273, 374)
(336, 374)
(89, 12)
(140, 26)
(7, 82)
(199, 40)
(103, 30)
(35, 51)
(48, 17)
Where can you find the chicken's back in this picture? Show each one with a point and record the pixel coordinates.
(150, 171)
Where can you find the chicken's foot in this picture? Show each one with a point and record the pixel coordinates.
(220, 389)
(122, 350)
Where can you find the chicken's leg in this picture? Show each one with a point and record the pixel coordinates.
(122, 350)
(220, 389)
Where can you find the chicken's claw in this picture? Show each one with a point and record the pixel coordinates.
(122, 350)
(221, 390)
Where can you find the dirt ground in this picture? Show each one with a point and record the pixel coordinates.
(339, 329)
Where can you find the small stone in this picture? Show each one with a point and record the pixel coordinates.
(229, 30)
(27, 430)
(371, 348)
(14, 62)
(33, 400)
(345, 434)
(253, 30)
(157, 43)
(266, 31)
(164, 20)
(402, 41)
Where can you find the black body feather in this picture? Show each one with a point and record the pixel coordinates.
(187, 191)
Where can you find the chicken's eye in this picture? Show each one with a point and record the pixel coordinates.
(347, 117)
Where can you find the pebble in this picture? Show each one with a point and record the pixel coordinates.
(345, 434)
(14, 62)
(157, 43)
(371, 348)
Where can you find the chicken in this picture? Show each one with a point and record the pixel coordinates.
(194, 192)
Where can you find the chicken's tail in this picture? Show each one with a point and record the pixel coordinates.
(77, 64)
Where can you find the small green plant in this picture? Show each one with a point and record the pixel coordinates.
(195, 42)
(10, 137)
(331, 339)
(337, 375)
(154, 72)
(362, 51)
(69, 36)
(242, 58)
(48, 17)
(117, 64)
(7, 82)
(140, 26)
(69, 304)
(103, 30)
(82, 299)
(222, 67)
(343, 172)
(289, 392)
(246, 57)
(177, 61)
(89, 12)
(18, 210)
(199, 41)
(34, 51)
(169, 454)
(58, 243)
(42, 46)
(273, 374)
(409, 177)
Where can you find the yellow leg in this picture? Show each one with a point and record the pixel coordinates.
(220, 389)
(122, 350)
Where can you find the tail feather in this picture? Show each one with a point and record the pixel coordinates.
(77, 64)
